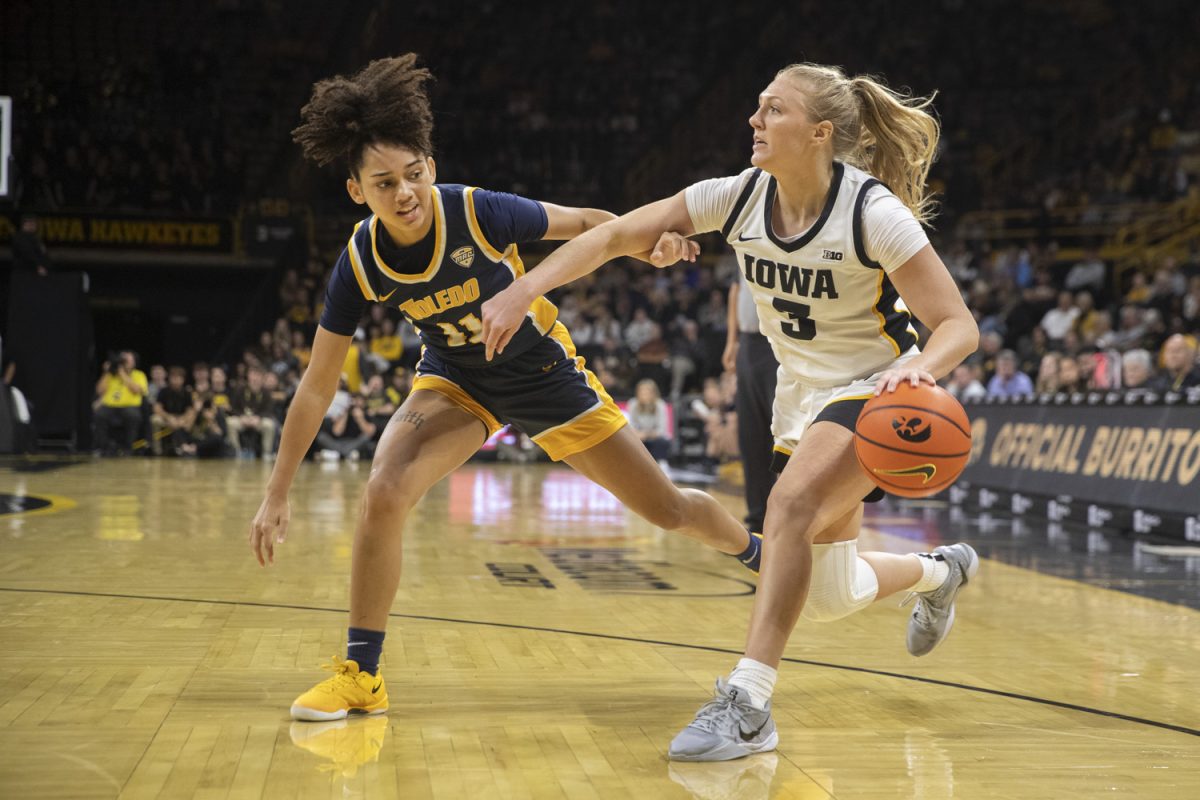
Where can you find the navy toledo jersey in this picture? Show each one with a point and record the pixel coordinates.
(538, 384)
(440, 283)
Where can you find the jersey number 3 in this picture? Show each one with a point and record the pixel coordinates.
(469, 330)
(801, 326)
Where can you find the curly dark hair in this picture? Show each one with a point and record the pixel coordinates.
(384, 103)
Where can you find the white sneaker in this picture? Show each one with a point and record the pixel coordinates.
(329, 455)
(725, 728)
(933, 616)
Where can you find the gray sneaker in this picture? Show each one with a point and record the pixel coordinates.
(933, 616)
(725, 728)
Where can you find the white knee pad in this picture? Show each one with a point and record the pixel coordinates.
(841, 584)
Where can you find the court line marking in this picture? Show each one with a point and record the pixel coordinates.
(637, 640)
(57, 502)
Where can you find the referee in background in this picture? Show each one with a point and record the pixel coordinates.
(749, 354)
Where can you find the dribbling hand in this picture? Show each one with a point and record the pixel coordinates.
(892, 378)
(269, 528)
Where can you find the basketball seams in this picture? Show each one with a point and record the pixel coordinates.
(923, 410)
(919, 453)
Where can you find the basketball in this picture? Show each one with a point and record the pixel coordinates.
(913, 442)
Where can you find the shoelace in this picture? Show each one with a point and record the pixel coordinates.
(719, 709)
(340, 670)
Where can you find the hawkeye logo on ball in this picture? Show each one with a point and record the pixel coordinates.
(911, 430)
(463, 256)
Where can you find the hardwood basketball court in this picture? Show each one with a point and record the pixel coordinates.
(545, 643)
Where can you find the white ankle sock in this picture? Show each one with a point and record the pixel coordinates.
(756, 679)
(935, 570)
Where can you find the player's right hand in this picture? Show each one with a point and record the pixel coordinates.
(729, 357)
(672, 248)
(269, 527)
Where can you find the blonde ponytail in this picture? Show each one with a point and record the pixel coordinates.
(898, 141)
(888, 134)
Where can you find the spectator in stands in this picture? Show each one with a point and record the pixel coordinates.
(281, 358)
(278, 392)
(990, 345)
(208, 436)
(965, 385)
(1008, 381)
(1069, 378)
(1137, 368)
(640, 330)
(173, 414)
(1061, 318)
(616, 360)
(121, 390)
(1179, 371)
(647, 414)
(345, 430)
(1047, 378)
(689, 359)
(158, 381)
(401, 386)
(220, 393)
(378, 406)
(387, 344)
(1090, 273)
(201, 388)
(1139, 289)
(301, 352)
(722, 427)
(1190, 308)
(252, 411)
(1130, 332)
(1088, 318)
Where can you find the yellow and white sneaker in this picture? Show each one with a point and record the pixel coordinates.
(349, 691)
(345, 746)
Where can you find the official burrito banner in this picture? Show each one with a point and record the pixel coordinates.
(129, 232)
(1135, 466)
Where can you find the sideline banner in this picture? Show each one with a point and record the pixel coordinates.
(129, 232)
(1123, 462)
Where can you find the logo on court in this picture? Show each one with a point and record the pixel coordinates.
(928, 470)
(912, 429)
(463, 256)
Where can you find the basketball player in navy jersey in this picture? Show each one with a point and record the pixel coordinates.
(436, 252)
(826, 225)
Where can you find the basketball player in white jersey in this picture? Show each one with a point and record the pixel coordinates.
(826, 226)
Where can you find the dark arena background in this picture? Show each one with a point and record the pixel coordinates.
(157, 220)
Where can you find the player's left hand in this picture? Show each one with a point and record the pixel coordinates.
(892, 378)
(672, 248)
(502, 318)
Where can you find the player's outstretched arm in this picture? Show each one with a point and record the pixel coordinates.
(565, 222)
(637, 232)
(313, 396)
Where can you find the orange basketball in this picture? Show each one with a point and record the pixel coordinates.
(913, 442)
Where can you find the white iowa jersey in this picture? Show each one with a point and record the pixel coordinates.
(828, 309)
